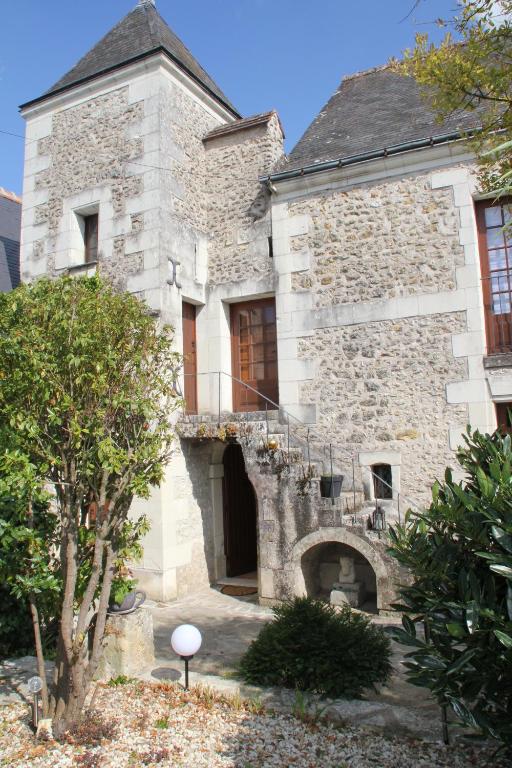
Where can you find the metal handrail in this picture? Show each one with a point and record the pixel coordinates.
(303, 424)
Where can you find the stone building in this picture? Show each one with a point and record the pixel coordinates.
(10, 229)
(344, 310)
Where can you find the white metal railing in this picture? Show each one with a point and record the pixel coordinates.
(311, 435)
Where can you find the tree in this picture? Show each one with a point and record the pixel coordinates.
(86, 398)
(473, 73)
(459, 552)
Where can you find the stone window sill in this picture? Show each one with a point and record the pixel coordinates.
(82, 267)
(498, 361)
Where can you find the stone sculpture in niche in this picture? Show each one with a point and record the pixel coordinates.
(347, 589)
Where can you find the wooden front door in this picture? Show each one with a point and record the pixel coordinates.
(189, 357)
(254, 354)
(240, 539)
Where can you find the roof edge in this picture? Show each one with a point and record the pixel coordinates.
(243, 124)
(376, 154)
(133, 60)
(12, 196)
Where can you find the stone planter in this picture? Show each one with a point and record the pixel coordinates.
(128, 646)
(330, 486)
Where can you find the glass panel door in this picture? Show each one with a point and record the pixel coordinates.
(254, 355)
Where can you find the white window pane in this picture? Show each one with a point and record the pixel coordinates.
(495, 238)
(497, 259)
(493, 216)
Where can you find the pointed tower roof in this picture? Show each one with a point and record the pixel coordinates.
(141, 33)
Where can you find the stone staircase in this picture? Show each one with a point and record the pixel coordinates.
(286, 452)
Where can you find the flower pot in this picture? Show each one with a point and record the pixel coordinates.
(132, 601)
(330, 486)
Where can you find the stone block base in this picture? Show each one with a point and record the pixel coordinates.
(353, 594)
(128, 645)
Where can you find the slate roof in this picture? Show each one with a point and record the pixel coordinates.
(243, 124)
(141, 33)
(371, 111)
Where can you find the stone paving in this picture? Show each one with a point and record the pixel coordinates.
(228, 625)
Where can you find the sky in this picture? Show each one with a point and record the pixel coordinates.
(288, 55)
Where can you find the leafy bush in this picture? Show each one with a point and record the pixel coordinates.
(16, 634)
(24, 569)
(311, 646)
(460, 555)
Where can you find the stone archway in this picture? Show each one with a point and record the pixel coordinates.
(341, 536)
(327, 566)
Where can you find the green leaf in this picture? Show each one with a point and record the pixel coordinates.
(503, 570)
(502, 538)
(461, 661)
(472, 616)
(505, 639)
(456, 630)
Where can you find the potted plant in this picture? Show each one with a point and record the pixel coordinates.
(124, 598)
(330, 485)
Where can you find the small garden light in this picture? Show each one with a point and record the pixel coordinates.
(35, 685)
(186, 641)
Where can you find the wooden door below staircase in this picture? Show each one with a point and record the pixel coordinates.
(240, 527)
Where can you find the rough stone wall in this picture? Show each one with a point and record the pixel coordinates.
(238, 220)
(184, 122)
(394, 238)
(88, 147)
(290, 523)
(381, 386)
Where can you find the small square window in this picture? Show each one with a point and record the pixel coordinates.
(91, 238)
(382, 481)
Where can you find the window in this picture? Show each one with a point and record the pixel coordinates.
(495, 245)
(91, 238)
(503, 414)
(382, 481)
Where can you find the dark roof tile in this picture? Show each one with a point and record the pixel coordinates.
(141, 33)
(371, 111)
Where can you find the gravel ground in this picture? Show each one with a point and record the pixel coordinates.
(141, 724)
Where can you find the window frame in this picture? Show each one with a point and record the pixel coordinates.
(497, 325)
(91, 251)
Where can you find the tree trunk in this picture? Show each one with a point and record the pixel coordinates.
(73, 676)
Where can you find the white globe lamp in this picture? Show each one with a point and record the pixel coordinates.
(186, 641)
(35, 686)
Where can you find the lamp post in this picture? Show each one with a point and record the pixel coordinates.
(379, 519)
(186, 641)
(35, 685)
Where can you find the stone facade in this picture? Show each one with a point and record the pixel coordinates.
(238, 217)
(380, 332)
(381, 386)
(395, 238)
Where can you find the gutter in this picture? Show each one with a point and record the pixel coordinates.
(343, 162)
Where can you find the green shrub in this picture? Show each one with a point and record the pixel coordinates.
(311, 646)
(16, 633)
(460, 554)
